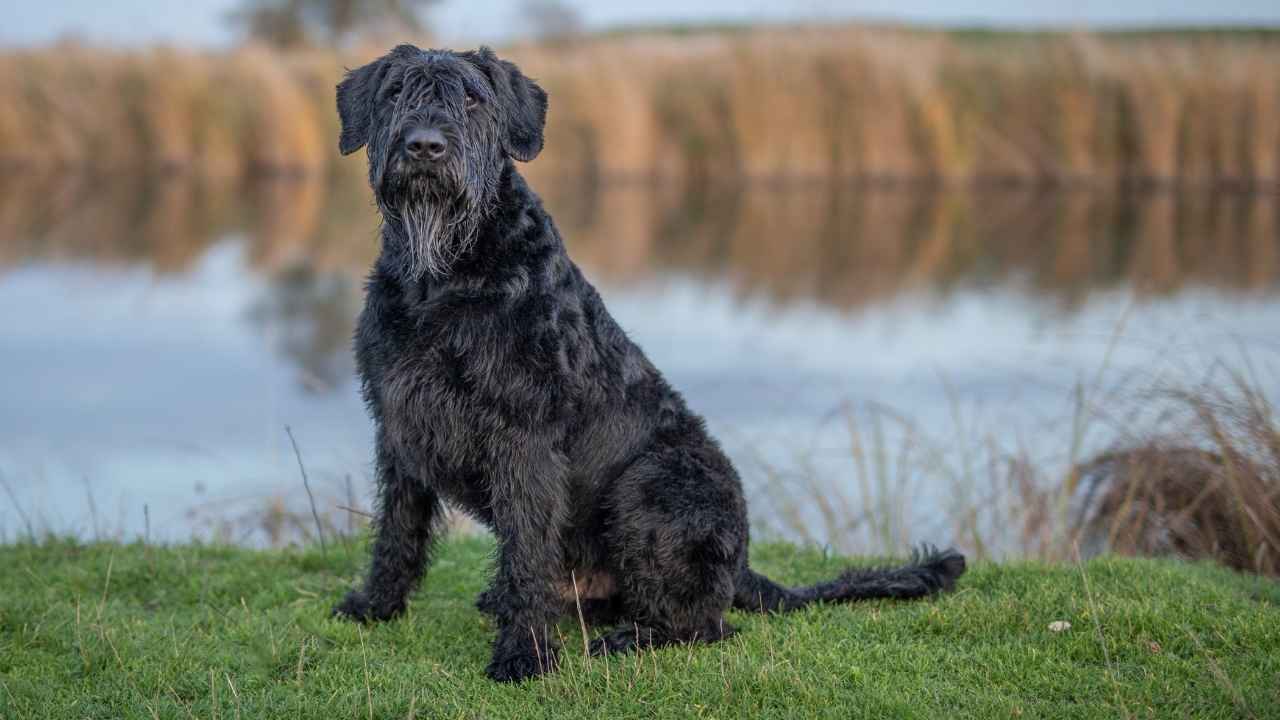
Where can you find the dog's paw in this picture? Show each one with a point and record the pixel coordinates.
(615, 641)
(355, 606)
(358, 607)
(522, 666)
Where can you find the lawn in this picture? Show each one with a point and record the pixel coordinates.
(110, 630)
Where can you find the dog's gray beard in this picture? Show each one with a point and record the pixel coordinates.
(437, 235)
(438, 230)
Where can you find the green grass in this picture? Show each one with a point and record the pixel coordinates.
(107, 631)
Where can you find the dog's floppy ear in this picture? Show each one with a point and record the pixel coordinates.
(358, 96)
(521, 103)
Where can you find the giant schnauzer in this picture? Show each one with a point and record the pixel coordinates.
(499, 383)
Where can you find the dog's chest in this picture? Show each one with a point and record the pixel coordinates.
(450, 378)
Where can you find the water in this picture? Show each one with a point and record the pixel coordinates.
(156, 336)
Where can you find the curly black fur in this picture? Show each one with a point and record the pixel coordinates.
(499, 383)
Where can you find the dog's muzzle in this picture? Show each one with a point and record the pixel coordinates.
(425, 145)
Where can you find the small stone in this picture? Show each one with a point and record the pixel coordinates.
(1059, 625)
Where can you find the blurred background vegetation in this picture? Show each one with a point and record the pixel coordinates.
(853, 167)
(697, 104)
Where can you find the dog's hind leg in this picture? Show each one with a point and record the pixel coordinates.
(405, 525)
(672, 599)
(678, 538)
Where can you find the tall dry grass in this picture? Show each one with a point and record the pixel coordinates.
(247, 112)
(1207, 487)
(1192, 473)
(873, 104)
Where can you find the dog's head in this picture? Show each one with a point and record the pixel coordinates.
(440, 127)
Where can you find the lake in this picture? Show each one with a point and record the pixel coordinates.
(157, 335)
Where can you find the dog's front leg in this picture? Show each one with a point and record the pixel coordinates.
(529, 507)
(408, 513)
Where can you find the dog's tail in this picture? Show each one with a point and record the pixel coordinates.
(930, 571)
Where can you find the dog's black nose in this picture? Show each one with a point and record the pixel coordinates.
(425, 144)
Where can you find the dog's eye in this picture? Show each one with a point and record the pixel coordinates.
(470, 101)
(393, 94)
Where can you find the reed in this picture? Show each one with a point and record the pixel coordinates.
(1190, 473)
(877, 104)
(1206, 486)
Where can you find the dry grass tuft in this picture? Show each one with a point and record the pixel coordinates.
(1211, 490)
(1195, 475)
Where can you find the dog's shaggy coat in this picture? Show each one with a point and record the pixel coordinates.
(499, 383)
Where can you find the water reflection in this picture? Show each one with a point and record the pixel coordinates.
(847, 247)
(158, 333)
(841, 246)
(308, 315)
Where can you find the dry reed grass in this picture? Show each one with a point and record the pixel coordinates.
(874, 104)
(1192, 473)
(1209, 488)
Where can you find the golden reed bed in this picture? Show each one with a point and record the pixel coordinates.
(842, 103)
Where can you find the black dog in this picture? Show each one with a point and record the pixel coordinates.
(498, 382)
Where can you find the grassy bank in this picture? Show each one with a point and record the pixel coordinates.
(201, 632)
(880, 104)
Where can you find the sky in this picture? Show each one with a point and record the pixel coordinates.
(203, 22)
